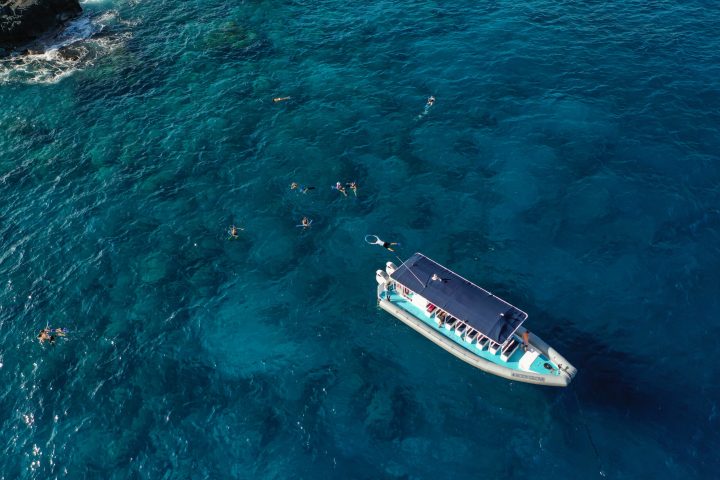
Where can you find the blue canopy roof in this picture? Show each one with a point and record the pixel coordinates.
(459, 297)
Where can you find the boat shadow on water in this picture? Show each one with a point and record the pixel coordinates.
(617, 393)
(611, 379)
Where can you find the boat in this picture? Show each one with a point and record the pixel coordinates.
(469, 322)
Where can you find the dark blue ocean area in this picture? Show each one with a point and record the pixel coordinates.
(570, 164)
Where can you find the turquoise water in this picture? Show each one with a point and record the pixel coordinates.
(569, 164)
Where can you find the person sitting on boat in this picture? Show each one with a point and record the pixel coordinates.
(526, 340)
(441, 316)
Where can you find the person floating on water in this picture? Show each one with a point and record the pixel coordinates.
(339, 187)
(50, 334)
(353, 187)
(305, 223)
(382, 243)
(300, 188)
(233, 232)
(430, 102)
(281, 99)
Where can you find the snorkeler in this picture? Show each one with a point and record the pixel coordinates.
(430, 102)
(382, 243)
(233, 232)
(353, 187)
(305, 223)
(45, 335)
(281, 99)
(49, 334)
(300, 188)
(339, 187)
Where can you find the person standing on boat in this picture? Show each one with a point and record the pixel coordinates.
(526, 340)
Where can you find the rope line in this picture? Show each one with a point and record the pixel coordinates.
(379, 242)
(589, 435)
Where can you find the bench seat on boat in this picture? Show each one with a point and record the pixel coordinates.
(509, 349)
(471, 335)
(527, 359)
(450, 322)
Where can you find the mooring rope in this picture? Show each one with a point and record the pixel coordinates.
(589, 435)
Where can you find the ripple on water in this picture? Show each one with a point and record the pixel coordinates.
(569, 164)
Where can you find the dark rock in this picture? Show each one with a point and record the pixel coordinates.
(71, 52)
(22, 21)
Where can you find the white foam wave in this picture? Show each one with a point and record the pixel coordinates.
(56, 62)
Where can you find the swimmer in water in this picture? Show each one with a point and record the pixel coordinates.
(233, 231)
(49, 334)
(430, 102)
(281, 99)
(353, 187)
(382, 243)
(339, 187)
(300, 188)
(45, 335)
(305, 222)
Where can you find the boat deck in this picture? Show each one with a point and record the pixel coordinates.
(513, 362)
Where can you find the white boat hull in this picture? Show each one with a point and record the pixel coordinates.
(567, 371)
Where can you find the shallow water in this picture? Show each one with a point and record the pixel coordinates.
(569, 164)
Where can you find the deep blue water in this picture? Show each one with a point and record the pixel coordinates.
(570, 164)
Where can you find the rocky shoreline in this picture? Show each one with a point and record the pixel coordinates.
(23, 21)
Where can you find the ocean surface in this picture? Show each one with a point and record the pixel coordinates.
(570, 164)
